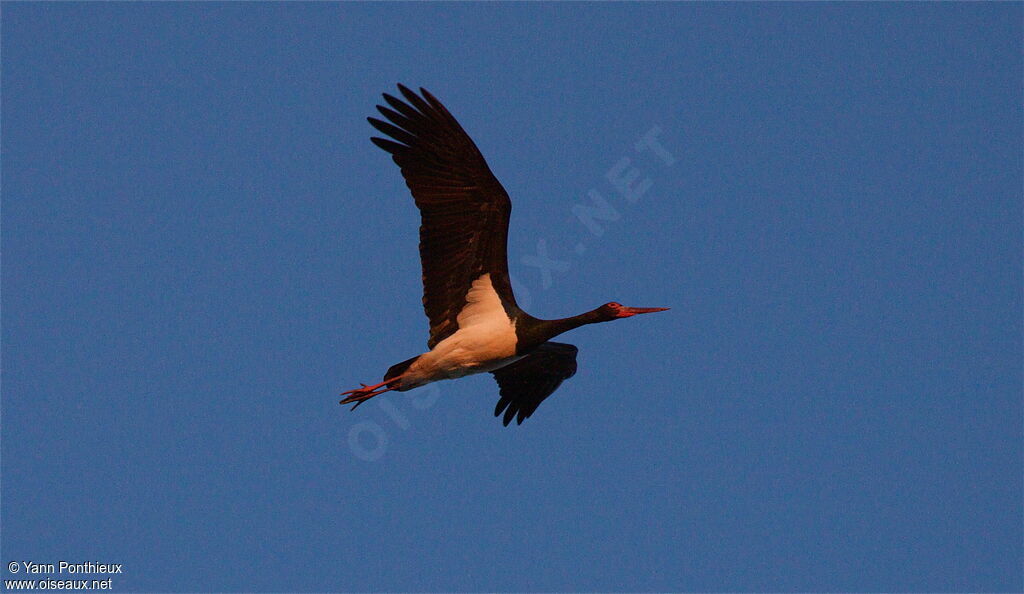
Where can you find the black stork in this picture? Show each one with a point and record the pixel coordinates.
(475, 324)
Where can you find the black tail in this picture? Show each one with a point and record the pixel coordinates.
(399, 368)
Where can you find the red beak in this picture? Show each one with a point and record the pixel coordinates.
(632, 311)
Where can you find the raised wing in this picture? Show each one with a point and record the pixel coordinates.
(464, 210)
(527, 382)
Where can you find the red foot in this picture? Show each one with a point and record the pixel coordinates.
(361, 395)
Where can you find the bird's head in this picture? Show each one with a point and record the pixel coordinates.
(613, 310)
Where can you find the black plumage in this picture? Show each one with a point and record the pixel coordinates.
(463, 239)
(464, 210)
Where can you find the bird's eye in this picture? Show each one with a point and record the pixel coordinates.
(614, 304)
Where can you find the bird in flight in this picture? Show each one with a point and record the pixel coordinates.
(475, 324)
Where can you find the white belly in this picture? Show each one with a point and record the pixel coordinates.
(485, 340)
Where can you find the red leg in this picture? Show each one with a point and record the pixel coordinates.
(361, 395)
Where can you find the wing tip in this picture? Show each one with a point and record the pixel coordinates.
(388, 145)
(380, 125)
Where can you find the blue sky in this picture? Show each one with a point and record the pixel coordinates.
(201, 249)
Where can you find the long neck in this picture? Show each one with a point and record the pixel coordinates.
(533, 331)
